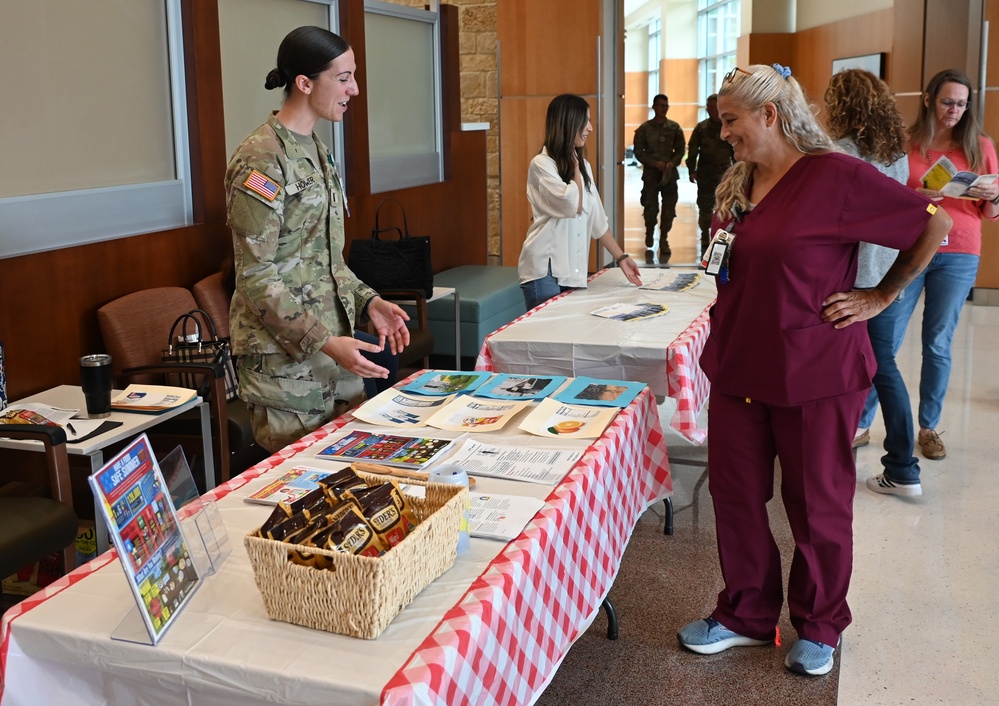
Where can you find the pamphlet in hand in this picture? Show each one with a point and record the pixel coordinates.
(514, 386)
(666, 281)
(152, 398)
(944, 177)
(543, 466)
(551, 418)
(288, 487)
(501, 517)
(631, 312)
(387, 449)
(398, 409)
(446, 382)
(601, 393)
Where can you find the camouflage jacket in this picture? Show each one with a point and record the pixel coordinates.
(293, 288)
(659, 143)
(707, 154)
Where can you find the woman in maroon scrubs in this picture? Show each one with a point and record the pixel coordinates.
(789, 372)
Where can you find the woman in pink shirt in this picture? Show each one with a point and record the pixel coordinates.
(947, 127)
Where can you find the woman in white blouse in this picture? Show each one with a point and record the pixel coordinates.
(566, 207)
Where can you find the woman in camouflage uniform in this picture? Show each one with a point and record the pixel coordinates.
(294, 308)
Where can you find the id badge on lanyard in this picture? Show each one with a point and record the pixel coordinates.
(719, 252)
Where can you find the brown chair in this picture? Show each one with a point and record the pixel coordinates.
(135, 329)
(33, 527)
(416, 355)
(213, 298)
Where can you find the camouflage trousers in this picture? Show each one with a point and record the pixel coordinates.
(287, 400)
(651, 191)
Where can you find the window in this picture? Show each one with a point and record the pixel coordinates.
(717, 33)
(107, 156)
(655, 57)
(403, 86)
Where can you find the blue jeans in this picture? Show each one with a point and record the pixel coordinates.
(538, 291)
(384, 358)
(886, 332)
(947, 280)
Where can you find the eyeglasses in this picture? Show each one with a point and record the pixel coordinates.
(733, 73)
(948, 104)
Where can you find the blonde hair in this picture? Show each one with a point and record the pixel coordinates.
(752, 89)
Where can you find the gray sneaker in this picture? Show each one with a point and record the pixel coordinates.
(886, 486)
(708, 637)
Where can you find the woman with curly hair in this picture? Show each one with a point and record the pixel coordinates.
(947, 127)
(566, 208)
(789, 372)
(863, 119)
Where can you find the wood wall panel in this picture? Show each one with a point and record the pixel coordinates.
(537, 64)
(548, 48)
(905, 62)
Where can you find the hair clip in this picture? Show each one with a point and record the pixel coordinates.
(782, 70)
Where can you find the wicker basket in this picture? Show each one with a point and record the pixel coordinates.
(361, 595)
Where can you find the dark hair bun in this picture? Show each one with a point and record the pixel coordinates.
(274, 79)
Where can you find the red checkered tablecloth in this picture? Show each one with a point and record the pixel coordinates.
(505, 637)
(508, 634)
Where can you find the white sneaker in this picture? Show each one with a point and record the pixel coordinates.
(886, 486)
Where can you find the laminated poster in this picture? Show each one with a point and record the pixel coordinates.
(143, 524)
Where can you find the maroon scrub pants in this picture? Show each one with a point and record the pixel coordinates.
(814, 443)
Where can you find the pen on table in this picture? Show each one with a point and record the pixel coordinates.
(71, 429)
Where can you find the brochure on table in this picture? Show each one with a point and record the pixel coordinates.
(155, 554)
(468, 413)
(600, 393)
(513, 386)
(446, 382)
(151, 399)
(631, 312)
(288, 487)
(395, 408)
(552, 418)
(389, 449)
(666, 281)
(501, 517)
(544, 466)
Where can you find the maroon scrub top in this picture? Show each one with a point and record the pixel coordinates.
(796, 247)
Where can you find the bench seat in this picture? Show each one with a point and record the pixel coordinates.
(490, 297)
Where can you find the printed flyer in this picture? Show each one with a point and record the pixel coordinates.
(147, 535)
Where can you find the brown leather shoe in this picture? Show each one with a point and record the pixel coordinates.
(930, 445)
(862, 439)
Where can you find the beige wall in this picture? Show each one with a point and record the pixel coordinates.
(813, 13)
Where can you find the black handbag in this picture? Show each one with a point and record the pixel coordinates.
(401, 262)
(195, 348)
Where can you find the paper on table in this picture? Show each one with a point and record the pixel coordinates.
(476, 414)
(665, 281)
(631, 312)
(395, 408)
(36, 413)
(544, 466)
(501, 517)
(551, 418)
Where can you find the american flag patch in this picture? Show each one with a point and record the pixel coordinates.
(262, 185)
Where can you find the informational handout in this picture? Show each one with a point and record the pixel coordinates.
(667, 281)
(36, 413)
(476, 414)
(631, 312)
(543, 466)
(395, 408)
(551, 418)
(501, 517)
(944, 177)
(600, 393)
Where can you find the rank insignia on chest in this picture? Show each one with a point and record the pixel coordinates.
(260, 184)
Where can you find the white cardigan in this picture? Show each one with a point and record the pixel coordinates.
(557, 233)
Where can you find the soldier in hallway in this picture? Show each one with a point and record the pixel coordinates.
(708, 156)
(659, 146)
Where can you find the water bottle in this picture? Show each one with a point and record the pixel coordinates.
(455, 475)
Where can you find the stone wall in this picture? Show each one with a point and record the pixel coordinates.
(480, 93)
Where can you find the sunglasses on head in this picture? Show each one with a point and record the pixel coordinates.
(730, 76)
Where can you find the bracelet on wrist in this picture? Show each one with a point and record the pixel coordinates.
(995, 201)
(617, 260)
